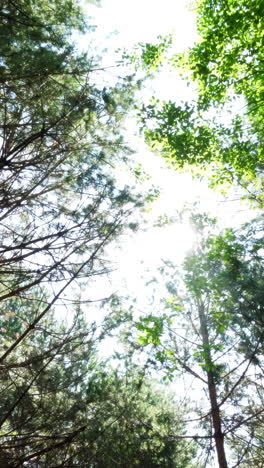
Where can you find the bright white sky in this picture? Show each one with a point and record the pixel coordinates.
(143, 20)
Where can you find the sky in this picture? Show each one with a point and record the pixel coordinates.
(122, 24)
(143, 20)
(135, 258)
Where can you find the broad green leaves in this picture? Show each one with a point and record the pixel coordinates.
(151, 329)
(220, 136)
(148, 56)
(229, 54)
(188, 139)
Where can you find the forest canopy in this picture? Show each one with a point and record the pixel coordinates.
(219, 134)
(64, 207)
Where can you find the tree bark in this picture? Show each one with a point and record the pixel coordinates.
(215, 411)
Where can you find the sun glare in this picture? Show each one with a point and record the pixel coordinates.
(144, 20)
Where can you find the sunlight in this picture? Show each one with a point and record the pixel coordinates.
(144, 20)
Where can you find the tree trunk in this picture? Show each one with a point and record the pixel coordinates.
(215, 411)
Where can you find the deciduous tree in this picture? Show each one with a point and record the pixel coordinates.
(219, 134)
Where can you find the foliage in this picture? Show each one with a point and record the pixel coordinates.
(59, 200)
(229, 54)
(143, 433)
(149, 56)
(61, 137)
(210, 328)
(220, 136)
(188, 139)
(61, 406)
(60, 206)
(35, 37)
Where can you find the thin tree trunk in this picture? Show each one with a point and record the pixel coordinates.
(216, 416)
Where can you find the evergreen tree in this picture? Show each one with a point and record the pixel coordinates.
(60, 204)
(62, 406)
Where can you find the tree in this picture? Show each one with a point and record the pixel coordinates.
(141, 425)
(63, 406)
(230, 66)
(190, 140)
(209, 136)
(40, 389)
(211, 329)
(60, 203)
(229, 55)
(60, 206)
